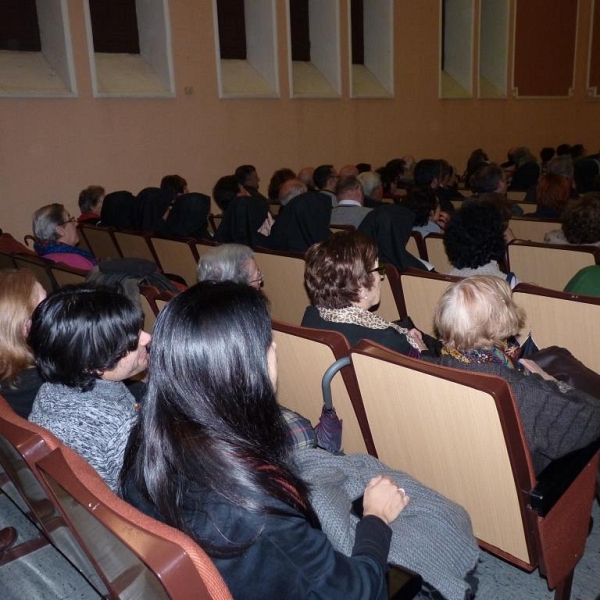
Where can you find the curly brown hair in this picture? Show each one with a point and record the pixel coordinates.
(581, 220)
(553, 191)
(337, 268)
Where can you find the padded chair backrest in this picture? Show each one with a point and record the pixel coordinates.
(561, 319)
(421, 292)
(134, 245)
(283, 284)
(65, 275)
(388, 307)
(549, 266)
(303, 356)
(22, 444)
(516, 196)
(416, 245)
(458, 433)
(178, 257)
(532, 230)
(204, 246)
(139, 557)
(436, 253)
(40, 268)
(101, 241)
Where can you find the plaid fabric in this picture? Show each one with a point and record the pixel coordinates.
(301, 434)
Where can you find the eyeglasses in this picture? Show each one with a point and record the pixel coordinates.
(381, 269)
(69, 220)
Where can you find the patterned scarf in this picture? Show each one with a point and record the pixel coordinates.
(483, 355)
(43, 247)
(355, 315)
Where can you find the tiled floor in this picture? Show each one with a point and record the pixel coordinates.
(46, 575)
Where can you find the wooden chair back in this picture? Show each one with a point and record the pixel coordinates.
(416, 245)
(204, 246)
(177, 256)
(420, 292)
(549, 266)
(516, 196)
(303, 356)
(561, 319)
(283, 274)
(138, 556)
(101, 241)
(214, 220)
(388, 307)
(40, 268)
(22, 444)
(135, 244)
(148, 294)
(436, 254)
(460, 433)
(532, 230)
(65, 275)
(162, 300)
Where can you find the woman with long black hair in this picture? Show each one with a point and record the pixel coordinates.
(210, 457)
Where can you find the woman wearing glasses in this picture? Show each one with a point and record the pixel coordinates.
(57, 237)
(343, 280)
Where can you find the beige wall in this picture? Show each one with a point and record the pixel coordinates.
(51, 148)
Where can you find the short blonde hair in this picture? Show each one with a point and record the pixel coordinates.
(477, 312)
(17, 303)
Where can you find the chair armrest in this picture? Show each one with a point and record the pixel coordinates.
(557, 477)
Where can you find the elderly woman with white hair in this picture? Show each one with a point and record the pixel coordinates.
(474, 318)
(230, 262)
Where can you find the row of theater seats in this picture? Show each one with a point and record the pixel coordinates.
(121, 552)
(458, 433)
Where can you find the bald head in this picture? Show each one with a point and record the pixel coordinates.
(348, 171)
(305, 175)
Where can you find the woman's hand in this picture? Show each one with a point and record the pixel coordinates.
(418, 337)
(265, 228)
(384, 499)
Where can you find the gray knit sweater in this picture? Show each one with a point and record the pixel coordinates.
(96, 424)
(432, 535)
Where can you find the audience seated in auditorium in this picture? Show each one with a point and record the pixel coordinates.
(428, 175)
(426, 208)
(290, 189)
(230, 262)
(57, 237)
(248, 178)
(447, 190)
(246, 219)
(304, 222)
(188, 216)
(580, 223)
(474, 319)
(390, 227)
(216, 444)
(546, 155)
(343, 280)
(527, 170)
(278, 178)
(552, 195)
(326, 178)
(20, 381)
(559, 165)
(490, 178)
(90, 204)
(120, 210)
(474, 241)
(350, 209)
(86, 342)
(372, 189)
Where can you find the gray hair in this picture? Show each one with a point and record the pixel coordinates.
(290, 189)
(227, 262)
(46, 219)
(561, 165)
(370, 181)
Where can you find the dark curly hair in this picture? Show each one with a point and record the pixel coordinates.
(581, 220)
(337, 268)
(422, 202)
(475, 235)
